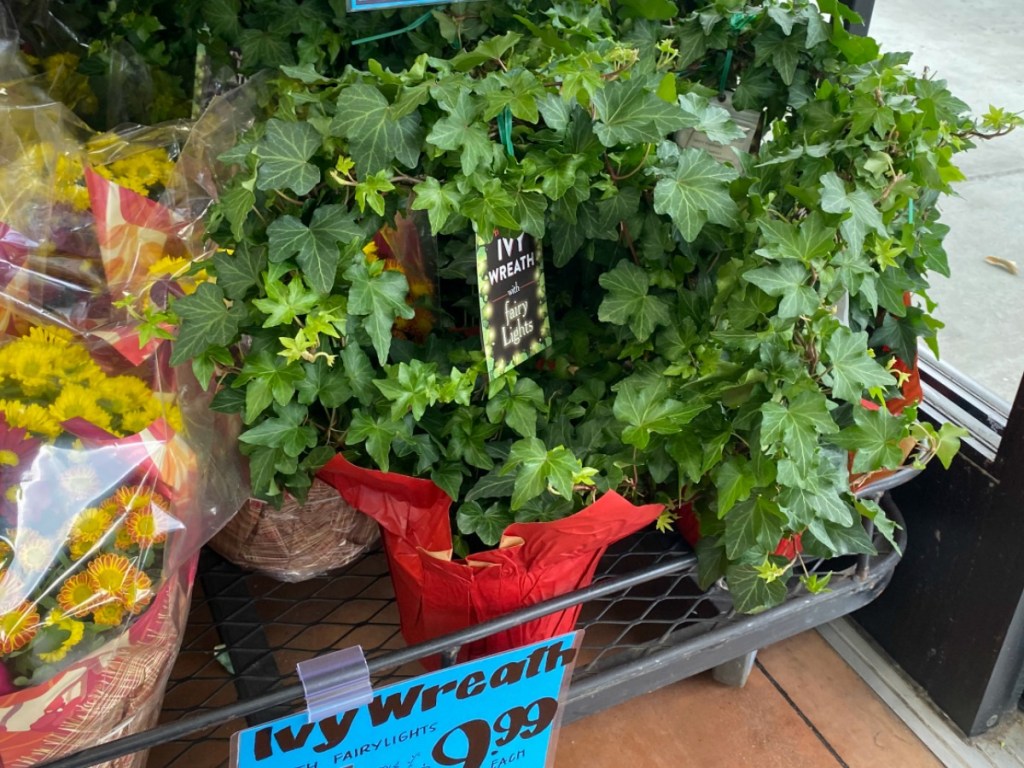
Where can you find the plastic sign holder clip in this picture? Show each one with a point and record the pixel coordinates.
(335, 682)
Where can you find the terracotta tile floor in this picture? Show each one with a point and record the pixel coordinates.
(803, 707)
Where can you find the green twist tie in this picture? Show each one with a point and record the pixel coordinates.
(723, 81)
(739, 20)
(736, 23)
(505, 130)
(383, 35)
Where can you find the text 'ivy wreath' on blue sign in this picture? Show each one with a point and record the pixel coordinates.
(497, 712)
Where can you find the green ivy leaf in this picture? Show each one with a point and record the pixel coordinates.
(493, 485)
(797, 426)
(263, 48)
(236, 204)
(488, 524)
(284, 303)
(519, 91)
(862, 216)
(875, 436)
(377, 433)
(710, 119)
(206, 320)
(805, 242)
(711, 561)
(853, 371)
(628, 113)
(410, 387)
(287, 431)
(695, 192)
(539, 469)
(518, 407)
(828, 539)
(316, 247)
(751, 593)
(648, 412)
(323, 384)
(360, 373)
(439, 201)
(370, 192)
(463, 130)
(734, 480)
(284, 154)
(239, 271)
(493, 207)
(628, 301)
(380, 299)
(872, 511)
(467, 438)
(755, 524)
(267, 378)
(375, 138)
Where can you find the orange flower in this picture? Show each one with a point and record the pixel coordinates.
(18, 627)
(132, 497)
(123, 540)
(138, 592)
(144, 526)
(108, 574)
(78, 597)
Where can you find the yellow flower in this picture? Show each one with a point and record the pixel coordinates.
(174, 418)
(136, 421)
(31, 417)
(79, 402)
(109, 574)
(18, 627)
(78, 596)
(51, 335)
(34, 367)
(150, 168)
(170, 266)
(75, 630)
(92, 523)
(121, 394)
(109, 615)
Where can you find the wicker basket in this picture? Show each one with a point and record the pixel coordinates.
(112, 693)
(300, 540)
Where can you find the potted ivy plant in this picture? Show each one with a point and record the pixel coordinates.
(698, 350)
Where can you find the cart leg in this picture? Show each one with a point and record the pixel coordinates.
(735, 673)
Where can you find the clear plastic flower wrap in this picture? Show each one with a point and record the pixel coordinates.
(113, 469)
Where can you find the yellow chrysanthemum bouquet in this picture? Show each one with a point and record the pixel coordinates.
(103, 507)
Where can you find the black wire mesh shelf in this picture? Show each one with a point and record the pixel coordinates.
(647, 625)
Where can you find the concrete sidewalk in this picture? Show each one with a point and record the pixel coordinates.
(976, 46)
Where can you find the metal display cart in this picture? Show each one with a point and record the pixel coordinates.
(647, 625)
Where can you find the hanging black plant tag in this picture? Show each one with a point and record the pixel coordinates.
(513, 302)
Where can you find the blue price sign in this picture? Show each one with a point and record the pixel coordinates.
(496, 712)
(379, 5)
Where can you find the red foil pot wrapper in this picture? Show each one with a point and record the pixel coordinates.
(438, 595)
